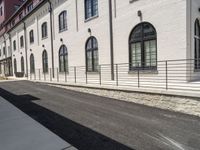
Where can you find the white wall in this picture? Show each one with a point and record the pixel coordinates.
(168, 17)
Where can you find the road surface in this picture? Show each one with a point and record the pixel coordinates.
(90, 122)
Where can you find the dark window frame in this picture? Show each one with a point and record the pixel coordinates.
(62, 21)
(142, 41)
(44, 29)
(15, 65)
(22, 41)
(90, 4)
(31, 36)
(197, 45)
(92, 50)
(4, 50)
(30, 7)
(22, 65)
(14, 45)
(45, 62)
(63, 55)
(32, 64)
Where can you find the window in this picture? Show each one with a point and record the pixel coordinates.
(45, 61)
(13, 22)
(197, 44)
(44, 30)
(91, 8)
(15, 65)
(63, 21)
(92, 58)
(4, 50)
(63, 59)
(22, 64)
(31, 36)
(1, 11)
(14, 45)
(30, 7)
(0, 69)
(21, 41)
(143, 47)
(32, 64)
(20, 15)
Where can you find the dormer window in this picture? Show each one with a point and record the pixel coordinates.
(13, 22)
(30, 7)
(21, 15)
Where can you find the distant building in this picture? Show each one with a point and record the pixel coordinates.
(45, 34)
(7, 9)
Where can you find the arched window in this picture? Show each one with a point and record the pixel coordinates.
(92, 57)
(21, 41)
(14, 45)
(15, 65)
(63, 21)
(197, 44)
(63, 59)
(32, 64)
(44, 30)
(31, 36)
(91, 8)
(22, 64)
(45, 61)
(143, 47)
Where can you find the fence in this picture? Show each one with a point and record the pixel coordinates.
(168, 75)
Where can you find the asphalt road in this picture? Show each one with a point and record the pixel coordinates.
(91, 122)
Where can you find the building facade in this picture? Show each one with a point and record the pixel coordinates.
(53, 36)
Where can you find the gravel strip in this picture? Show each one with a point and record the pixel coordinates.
(178, 104)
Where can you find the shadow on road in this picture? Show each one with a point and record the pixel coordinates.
(79, 136)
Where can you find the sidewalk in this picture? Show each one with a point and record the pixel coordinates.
(20, 132)
(190, 90)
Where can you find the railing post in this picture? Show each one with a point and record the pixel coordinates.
(117, 80)
(27, 76)
(100, 74)
(39, 75)
(166, 67)
(50, 74)
(138, 75)
(34, 74)
(57, 75)
(65, 75)
(86, 76)
(44, 76)
(75, 74)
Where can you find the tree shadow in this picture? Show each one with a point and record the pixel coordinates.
(79, 136)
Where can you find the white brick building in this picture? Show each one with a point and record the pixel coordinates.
(136, 34)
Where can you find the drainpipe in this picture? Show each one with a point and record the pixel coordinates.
(5, 45)
(111, 40)
(10, 65)
(52, 44)
(5, 54)
(25, 46)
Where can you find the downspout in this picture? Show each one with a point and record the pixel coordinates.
(111, 40)
(5, 53)
(25, 46)
(190, 40)
(10, 69)
(5, 45)
(52, 44)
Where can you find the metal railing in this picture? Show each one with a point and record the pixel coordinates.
(167, 75)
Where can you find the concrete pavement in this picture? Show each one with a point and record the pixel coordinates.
(19, 132)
